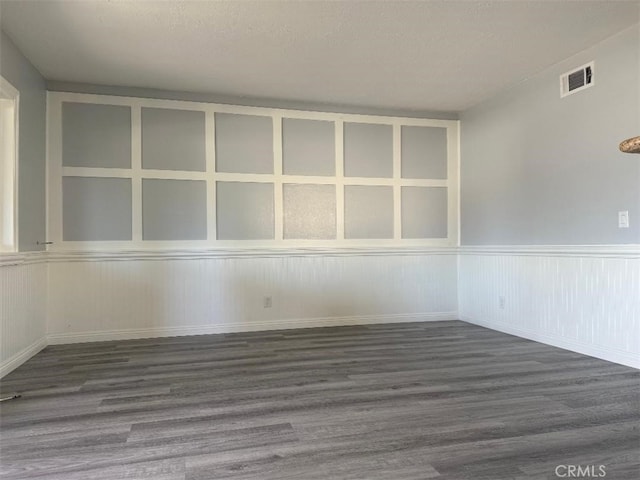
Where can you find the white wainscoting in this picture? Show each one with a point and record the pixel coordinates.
(23, 303)
(134, 295)
(582, 299)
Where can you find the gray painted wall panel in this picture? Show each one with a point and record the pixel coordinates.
(31, 162)
(245, 211)
(96, 209)
(173, 139)
(309, 211)
(424, 212)
(244, 143)
(96, 135)
(368, 211)
(308, 147)
(424, 152)
(174, 209)
(368, 150)
(537, 169)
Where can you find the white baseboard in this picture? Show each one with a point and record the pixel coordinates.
(22, 356)
(130, 334)
(616, 356)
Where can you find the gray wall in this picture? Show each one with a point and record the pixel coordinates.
(539, 170)
(97, 135)
(16, 69)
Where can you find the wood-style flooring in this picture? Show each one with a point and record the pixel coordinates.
(441, 400)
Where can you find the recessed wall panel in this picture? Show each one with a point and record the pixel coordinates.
(424, 152)
(368, 211)
(424, 212)
(308, 147)
(245, 211)
(309, 211)
(96, 209)
(173, 139)
(368, 150)
(244, 143)
(174, 209)
(96, 135)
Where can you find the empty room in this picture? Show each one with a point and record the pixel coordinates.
(308, 240)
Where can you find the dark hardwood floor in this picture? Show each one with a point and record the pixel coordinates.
(443, 400)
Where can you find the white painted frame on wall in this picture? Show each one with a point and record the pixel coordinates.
(9, 168)
(56, 171)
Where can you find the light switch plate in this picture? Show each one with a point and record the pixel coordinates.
(623, 219)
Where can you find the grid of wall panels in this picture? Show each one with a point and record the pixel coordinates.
(148, 172)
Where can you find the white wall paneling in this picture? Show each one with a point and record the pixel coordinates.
(130, 295)
(23, 303)
(581, 299)
(222, 154)
(584, 299)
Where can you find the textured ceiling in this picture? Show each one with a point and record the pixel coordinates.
(423, 55)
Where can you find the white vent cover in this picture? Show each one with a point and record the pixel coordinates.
(576, 80)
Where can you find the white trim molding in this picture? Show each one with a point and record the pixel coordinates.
(605, 353)
(13, 362)
(11, 260)
(597, 251)
(22, 258)
(602, 251)
(9, 166)
(286, 324)
(202, 254)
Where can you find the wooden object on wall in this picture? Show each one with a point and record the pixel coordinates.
(630, 145)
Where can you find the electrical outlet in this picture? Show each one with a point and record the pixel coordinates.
(501, 302)
(623, 219)
(267, 302)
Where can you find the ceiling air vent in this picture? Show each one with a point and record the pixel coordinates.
(576, 80)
